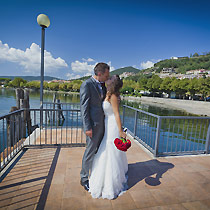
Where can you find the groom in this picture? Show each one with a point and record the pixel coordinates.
(92, 94)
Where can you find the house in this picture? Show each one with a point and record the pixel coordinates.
(126, 74)
(197, 71)
(167, 70)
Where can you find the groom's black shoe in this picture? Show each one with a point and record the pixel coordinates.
(85, 185)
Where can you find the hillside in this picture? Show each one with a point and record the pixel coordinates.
(31, 78)
(125, 69)
(184, 64)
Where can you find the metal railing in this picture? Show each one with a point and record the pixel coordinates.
(168, 135)
(24, 128)
(52, 105)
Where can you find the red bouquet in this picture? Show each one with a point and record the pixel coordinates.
(122, 144)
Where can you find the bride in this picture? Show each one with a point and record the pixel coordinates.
(108, 175)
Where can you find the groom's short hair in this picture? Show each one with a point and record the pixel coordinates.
(101, 67)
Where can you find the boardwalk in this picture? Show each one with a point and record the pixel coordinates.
(49, 178)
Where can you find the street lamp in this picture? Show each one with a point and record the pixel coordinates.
(44, 22)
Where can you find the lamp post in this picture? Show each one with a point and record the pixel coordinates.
(44, 22)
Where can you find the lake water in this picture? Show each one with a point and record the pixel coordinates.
(8, 99)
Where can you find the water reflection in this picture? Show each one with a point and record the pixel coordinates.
(8, 99)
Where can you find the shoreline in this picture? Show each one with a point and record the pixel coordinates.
(194, 107)
(44, 90)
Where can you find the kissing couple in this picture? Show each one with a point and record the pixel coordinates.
(104, 167)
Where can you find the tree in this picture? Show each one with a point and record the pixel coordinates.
(142, 82)
(4, 81)
(53, 85)
(192, 86)
(76, 85)
(33, 84)
(195, 55)
(17, 81)
(127, 90)
(203, 86)
(166, 85)
(183, 87)
(69, 86)
(63, 86)
(154, 83)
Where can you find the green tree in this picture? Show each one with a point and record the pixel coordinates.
(195, 55)
(166, 85)
(53, 85)
(192, 87)
(127, 90)
(175, 87)
(203, 86)
(17, 81)
(33, 84)
(69, 86)
(4, 81)
(142, 82)
(183, 87)
(154, 83)
(63, 86)
(76, 85)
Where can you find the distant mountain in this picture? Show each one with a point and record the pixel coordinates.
(125, 69)
(81, 78)
(31, 78)
(117, 71)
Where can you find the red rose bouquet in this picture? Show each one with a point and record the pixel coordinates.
(122, 144)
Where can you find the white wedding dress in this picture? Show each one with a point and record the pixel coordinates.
(108, 175)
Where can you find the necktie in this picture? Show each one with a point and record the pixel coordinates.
(103, 90)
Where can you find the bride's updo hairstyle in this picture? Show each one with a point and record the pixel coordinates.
(113, 84)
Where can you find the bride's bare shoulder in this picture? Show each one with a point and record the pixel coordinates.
(114, 99)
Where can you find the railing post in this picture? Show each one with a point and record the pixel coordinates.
(208, 139)
(123, 116)
(135, 123)
(157, 139)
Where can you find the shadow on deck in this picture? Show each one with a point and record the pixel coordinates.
(48, 178)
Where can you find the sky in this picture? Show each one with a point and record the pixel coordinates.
(85, 32)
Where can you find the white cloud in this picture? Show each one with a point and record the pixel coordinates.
(84, 68)
(30, 58)
(88, 74)
(111, 67)
(147, 64)
(88, 60)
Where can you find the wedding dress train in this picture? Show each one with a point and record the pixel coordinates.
(108, 175)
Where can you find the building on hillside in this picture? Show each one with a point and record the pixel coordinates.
(60, 81)
(126, 74)
(186, 76)
(183, 57)
(168, 71)
(146, 72)
(198, 71)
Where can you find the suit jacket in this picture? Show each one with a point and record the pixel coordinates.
(91, 105)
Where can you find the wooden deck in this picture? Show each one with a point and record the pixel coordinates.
(49, 178)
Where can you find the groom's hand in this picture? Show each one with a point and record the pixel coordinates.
(89, 133)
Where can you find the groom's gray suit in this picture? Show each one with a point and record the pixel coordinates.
(93, 118)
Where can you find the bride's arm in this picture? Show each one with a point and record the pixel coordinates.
(115, 106)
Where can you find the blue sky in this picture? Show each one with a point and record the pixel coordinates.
(82, 33)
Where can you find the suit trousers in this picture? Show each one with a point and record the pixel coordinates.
(92, 145)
